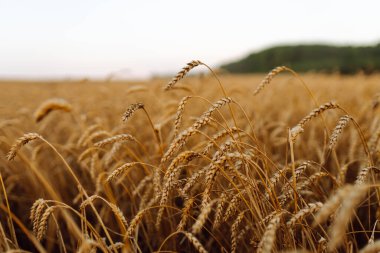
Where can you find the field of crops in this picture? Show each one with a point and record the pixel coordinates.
(207, 163)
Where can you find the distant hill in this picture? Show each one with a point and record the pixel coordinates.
(302, 58)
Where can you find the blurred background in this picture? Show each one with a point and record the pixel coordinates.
(101, 39)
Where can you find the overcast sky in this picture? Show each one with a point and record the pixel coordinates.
(92, 38)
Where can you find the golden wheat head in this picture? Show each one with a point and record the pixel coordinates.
(50, 105)
(20, 142)
(189, 66)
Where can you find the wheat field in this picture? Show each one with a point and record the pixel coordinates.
(201, 163)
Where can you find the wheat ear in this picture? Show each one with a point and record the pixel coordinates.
(218, 162)
(181, 139)
(95, 135)
(144, 182)
(20, 142)
(42, 225)
(275, 178)
(88, 245)
(372, 144)
(233, 206)
(178, 118)
(343, 121)
(170, 176)
(115, 209)
(267, 241)
(185, 213)
(131, 110)
(298, 171)
(50, 105)
(120, 170)
(218, 136)
(191, 181)
(269, 78)
(199, 247)
(201, 220)
(211, 177)
(189, 66)
(311, 208)
(135, 222)
(36, 213)
(113, 139)
(299, 128)
(371, 248)
(34, 207)
(351, 200)
(110, 155)
(235, 231)
(86, 133)
(363, 174)
(332, 204)
(219, 210)
(311, 180)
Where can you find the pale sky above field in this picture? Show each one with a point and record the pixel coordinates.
(93, 38)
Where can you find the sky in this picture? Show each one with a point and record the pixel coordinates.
(138, 39)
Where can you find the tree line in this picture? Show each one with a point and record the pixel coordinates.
(319, 58)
